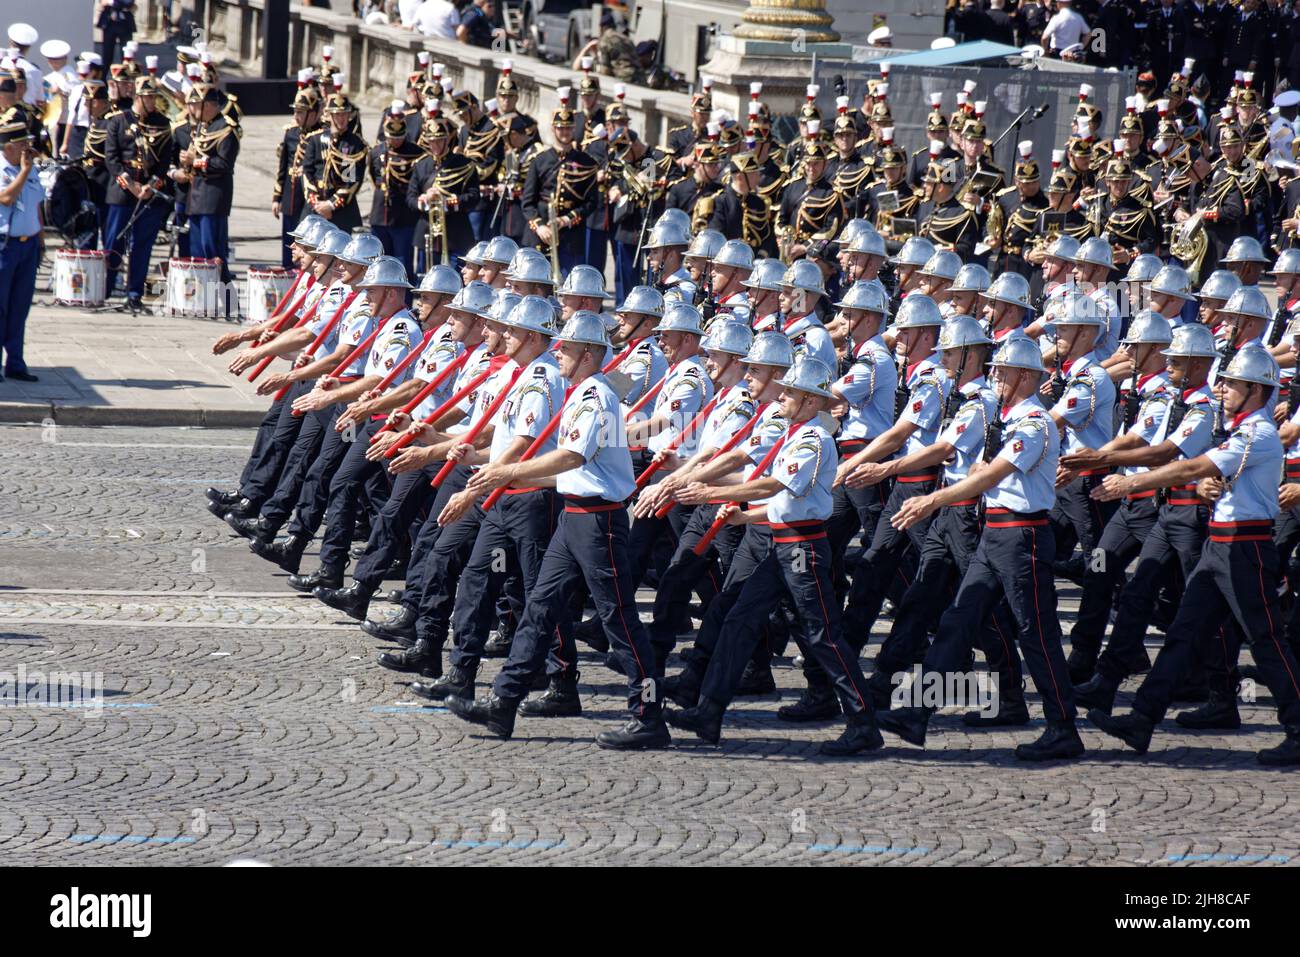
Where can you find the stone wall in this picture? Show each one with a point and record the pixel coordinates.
(377, 60)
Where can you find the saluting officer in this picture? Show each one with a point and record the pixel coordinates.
(1013, 560)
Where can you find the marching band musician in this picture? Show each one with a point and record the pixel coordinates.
(391, 161)
(208, 167)
(444, 188)
(810, 207)
(481, 139)
(138, 152)
(334, 164)
(560, 194)
(289, 199)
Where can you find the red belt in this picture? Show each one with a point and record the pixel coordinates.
(1088, 472)
(930, 475)
(521, 491)
(844, 444)
(1136, 496)
(1293, 468)
(1254, 531)
(1016, 519)
(1184, 499)
(785, 532)
(969, 501)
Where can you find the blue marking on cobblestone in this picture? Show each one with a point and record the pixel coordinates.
(865, 849)
(408, 709)
(1240, 858)
(9, 703)
(128, 839)
(508, 845)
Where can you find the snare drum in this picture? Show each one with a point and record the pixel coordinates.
(266, 287)
(80, 277)
(194, 287)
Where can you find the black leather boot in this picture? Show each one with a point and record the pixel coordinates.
(704, 720)
(494, 713)
(1060, 742)
(1285, 754)
(1132, 728)
(560, 700)
(421, 658)
(353, 601)
(592, 632)
(639, 734)
(286, 554)
(1082, 662)
(815, 704)
(456, 683)
(321, 577)
(396, 571)
(756, 680)
(1219, 713)
(1096, 694)
(399, 626)
(860, 734)
(496, 646)
(254, 529)
(226, 498)
(244, 508)
(910, 724)
(1010, 714)
(683, 688)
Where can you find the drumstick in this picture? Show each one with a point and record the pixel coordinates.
(657, 464)
(730, 444)
(479, 426)
(397, 370)
(707, 538)
(427, 390)
(324, 333)
(650, 393)
(261, 366)
(282, 319)
(409, 437)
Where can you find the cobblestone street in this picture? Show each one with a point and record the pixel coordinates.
(243, 720)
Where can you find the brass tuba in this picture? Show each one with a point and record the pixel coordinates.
(1189, 243)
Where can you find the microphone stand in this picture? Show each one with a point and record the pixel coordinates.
(1015, 125)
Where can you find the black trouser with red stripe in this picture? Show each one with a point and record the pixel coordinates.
(1176, 538)
(1286, 535)
(426, 536)
(852, 509)
(799, 563)
(946, 555)
(441, 573)
(344, 499)
(271, 451)
(313, 495)
(512, 539)
(1235, 578)
(410, 493)
(686, 572)
(872, 578)
(1013, 561)
(1121, 540)
(298, 463)
(1078, 518)
(590, 544)
(755, 544)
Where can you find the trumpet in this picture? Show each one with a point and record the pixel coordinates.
(437, 213)
(552, 209)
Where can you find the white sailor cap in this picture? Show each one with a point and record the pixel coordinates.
(23, 34)
(1287, 98)
(880, 35)
(55, 49)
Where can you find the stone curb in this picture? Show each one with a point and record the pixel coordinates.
(38, 412)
